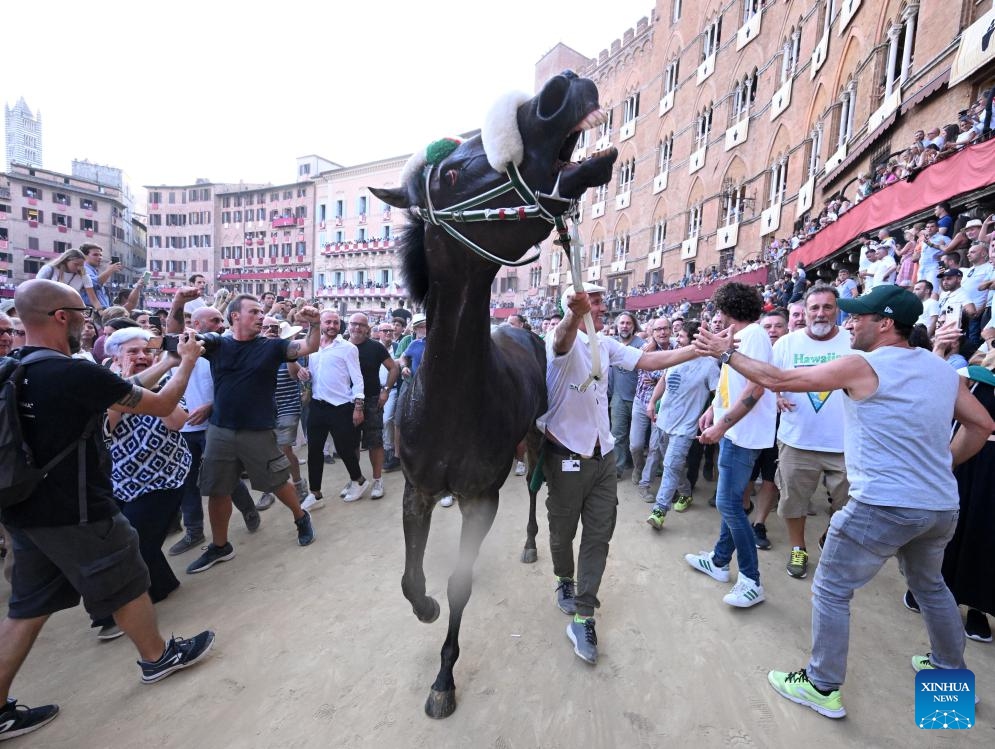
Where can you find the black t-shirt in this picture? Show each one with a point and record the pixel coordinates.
(371, 356)
(244, 375)
(57, 400)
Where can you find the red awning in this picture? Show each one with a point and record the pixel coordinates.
(964, 172)
(693, 293)
(926, 91)
(503, 313)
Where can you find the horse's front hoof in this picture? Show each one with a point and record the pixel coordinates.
(428, 616)
(530, 556)
(440, 704)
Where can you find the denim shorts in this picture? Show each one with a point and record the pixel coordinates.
(56, 566)
(286, 429)
(371, 429)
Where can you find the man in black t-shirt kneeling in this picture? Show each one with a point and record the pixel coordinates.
(71, 541)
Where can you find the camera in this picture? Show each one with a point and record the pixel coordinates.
(211, 341)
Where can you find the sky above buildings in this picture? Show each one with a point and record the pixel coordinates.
(171, 92)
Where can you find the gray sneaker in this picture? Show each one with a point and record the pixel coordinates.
(265, 502)
(189, 541)
(565, 597)
(646, 494)
(584, 638)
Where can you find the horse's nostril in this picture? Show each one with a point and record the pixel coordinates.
(552, 97)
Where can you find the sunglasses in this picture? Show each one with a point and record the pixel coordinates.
(87, 312)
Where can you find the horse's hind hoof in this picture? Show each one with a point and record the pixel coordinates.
(440, 704)
(530, 556)
(431, 615)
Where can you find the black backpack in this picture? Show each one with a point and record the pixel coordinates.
(19, 474)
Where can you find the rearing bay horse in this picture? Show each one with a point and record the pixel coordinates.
(476, 395)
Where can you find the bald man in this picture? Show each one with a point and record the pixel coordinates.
(6, 335)
(71, 541)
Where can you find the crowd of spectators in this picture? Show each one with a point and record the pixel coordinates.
(927, 148)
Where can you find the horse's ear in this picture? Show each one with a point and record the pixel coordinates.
(397, 197)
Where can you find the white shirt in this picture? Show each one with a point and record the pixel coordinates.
(816, 422)
(882, 271)
(200, 390)
(930, 309)
(579, 421)
(974, 277)
(754, 431)
(950, 298)
(335, 374)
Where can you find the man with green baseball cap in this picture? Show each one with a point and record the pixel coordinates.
(898, 402)
(901, 305)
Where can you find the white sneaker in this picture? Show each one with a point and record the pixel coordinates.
(358, 491)
(702, 562)
(377, 492)
(519, 468)
(446, 501)
(312, 503)
(345, 490)
(744, 593)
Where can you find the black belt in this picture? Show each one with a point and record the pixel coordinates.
(557, 449)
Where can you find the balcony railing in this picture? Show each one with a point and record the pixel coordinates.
(282, 221)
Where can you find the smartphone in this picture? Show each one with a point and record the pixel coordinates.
(146, 277)
(955, 311)
(115, 259)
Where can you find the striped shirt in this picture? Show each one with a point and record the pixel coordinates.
(288, 393)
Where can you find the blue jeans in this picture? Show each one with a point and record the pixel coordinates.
(389, 408)
(621, 421)
(735, 532)
(675, 452)
(639, 435)
(861, 539)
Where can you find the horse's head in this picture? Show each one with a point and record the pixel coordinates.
(501, 191)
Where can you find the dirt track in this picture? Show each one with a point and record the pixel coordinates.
(318, 648)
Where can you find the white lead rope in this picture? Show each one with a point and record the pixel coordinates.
(573, 255)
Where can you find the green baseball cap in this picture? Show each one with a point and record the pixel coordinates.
(901, 305)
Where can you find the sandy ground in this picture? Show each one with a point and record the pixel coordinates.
(317, 647)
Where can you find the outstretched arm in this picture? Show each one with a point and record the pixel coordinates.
(850, 373)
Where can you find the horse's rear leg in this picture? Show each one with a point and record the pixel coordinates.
(529, 554)
(417, 510)
(478, 515)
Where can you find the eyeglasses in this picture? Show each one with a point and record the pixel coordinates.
(87, 312)
(11, 331)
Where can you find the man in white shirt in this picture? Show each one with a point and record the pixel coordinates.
(578, 462)
(742, 421)
(930, 307)
(975, 285)
(337, 408)
(810, 435)
(954, 295)
(882, 269)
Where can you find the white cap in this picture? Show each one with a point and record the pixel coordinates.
(589, 288)
(289, 331)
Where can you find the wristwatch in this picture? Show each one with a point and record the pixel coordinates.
(726, 356)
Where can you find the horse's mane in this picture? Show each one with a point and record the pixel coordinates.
(414, 268)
